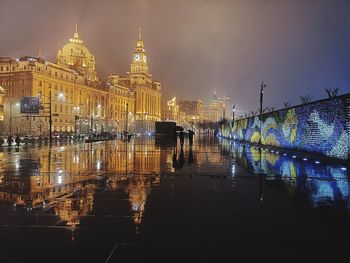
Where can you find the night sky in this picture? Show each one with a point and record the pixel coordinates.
(297, 47)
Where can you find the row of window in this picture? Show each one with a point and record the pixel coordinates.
(11, 82)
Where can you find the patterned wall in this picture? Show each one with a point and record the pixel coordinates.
(319, 127)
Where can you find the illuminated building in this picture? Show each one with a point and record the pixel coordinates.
(194, 110)
(170, 111)
(79, 101)
(216, 109)
(147, 91)
(76, 56)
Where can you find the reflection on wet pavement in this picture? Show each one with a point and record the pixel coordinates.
(318, 184)
(116, 200)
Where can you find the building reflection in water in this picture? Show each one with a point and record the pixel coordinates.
(319, 183)
(65, 177)
(63, 180)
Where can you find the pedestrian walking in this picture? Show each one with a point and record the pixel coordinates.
(190, 136)
(182, 138)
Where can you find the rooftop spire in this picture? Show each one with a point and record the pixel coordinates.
(76, 35)
(139, 30)
(76, 38)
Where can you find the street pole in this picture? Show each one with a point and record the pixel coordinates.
(262, 86)
(10, 118)
(126, 117)
(91, 121)
(233, 112)
(50, 118)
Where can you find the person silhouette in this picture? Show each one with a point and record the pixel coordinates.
(181, 158)
(175, 164)
(190, 136)
(182, 138)
(174, 138)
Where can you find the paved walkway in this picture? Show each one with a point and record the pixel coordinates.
(126, 202)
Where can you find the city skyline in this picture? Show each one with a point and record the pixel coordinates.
(231, 49)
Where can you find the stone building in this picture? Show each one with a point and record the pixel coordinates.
(79, 101)
(147, 91)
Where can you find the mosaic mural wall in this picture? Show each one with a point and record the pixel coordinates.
(319, 127)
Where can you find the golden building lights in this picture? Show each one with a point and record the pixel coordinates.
(84, 103)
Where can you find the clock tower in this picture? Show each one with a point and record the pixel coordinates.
(139, 68)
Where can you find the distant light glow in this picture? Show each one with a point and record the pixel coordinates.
(343, 169)
(304, 159)
(317, 162)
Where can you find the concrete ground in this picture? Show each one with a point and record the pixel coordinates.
(215, 201)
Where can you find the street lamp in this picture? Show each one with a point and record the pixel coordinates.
(59, 95)
(233, 112)
(262, 87)
(17, 105)
(76, 110)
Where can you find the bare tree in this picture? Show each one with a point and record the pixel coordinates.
(332, 92)
(286, 104)
(305, 99)
(253, 113)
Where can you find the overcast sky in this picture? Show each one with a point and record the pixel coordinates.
(297, 47)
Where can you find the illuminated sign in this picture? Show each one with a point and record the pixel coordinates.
(30, 105)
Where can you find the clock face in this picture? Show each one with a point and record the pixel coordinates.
(144, 58)
(137, 57)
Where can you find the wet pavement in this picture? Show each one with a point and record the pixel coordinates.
(120, 201)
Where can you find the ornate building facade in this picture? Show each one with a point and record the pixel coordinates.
(170, 110)
(147, 91)
(194, 110)
(79, 101)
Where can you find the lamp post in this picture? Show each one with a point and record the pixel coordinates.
(76, 117)
(99, 113)
(126, 118)
(91, 119)
(262, 87)
(17, 105)
(50, 118)
(233, 112)
(60, 95)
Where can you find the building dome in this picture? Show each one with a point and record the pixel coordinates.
(76, 56)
